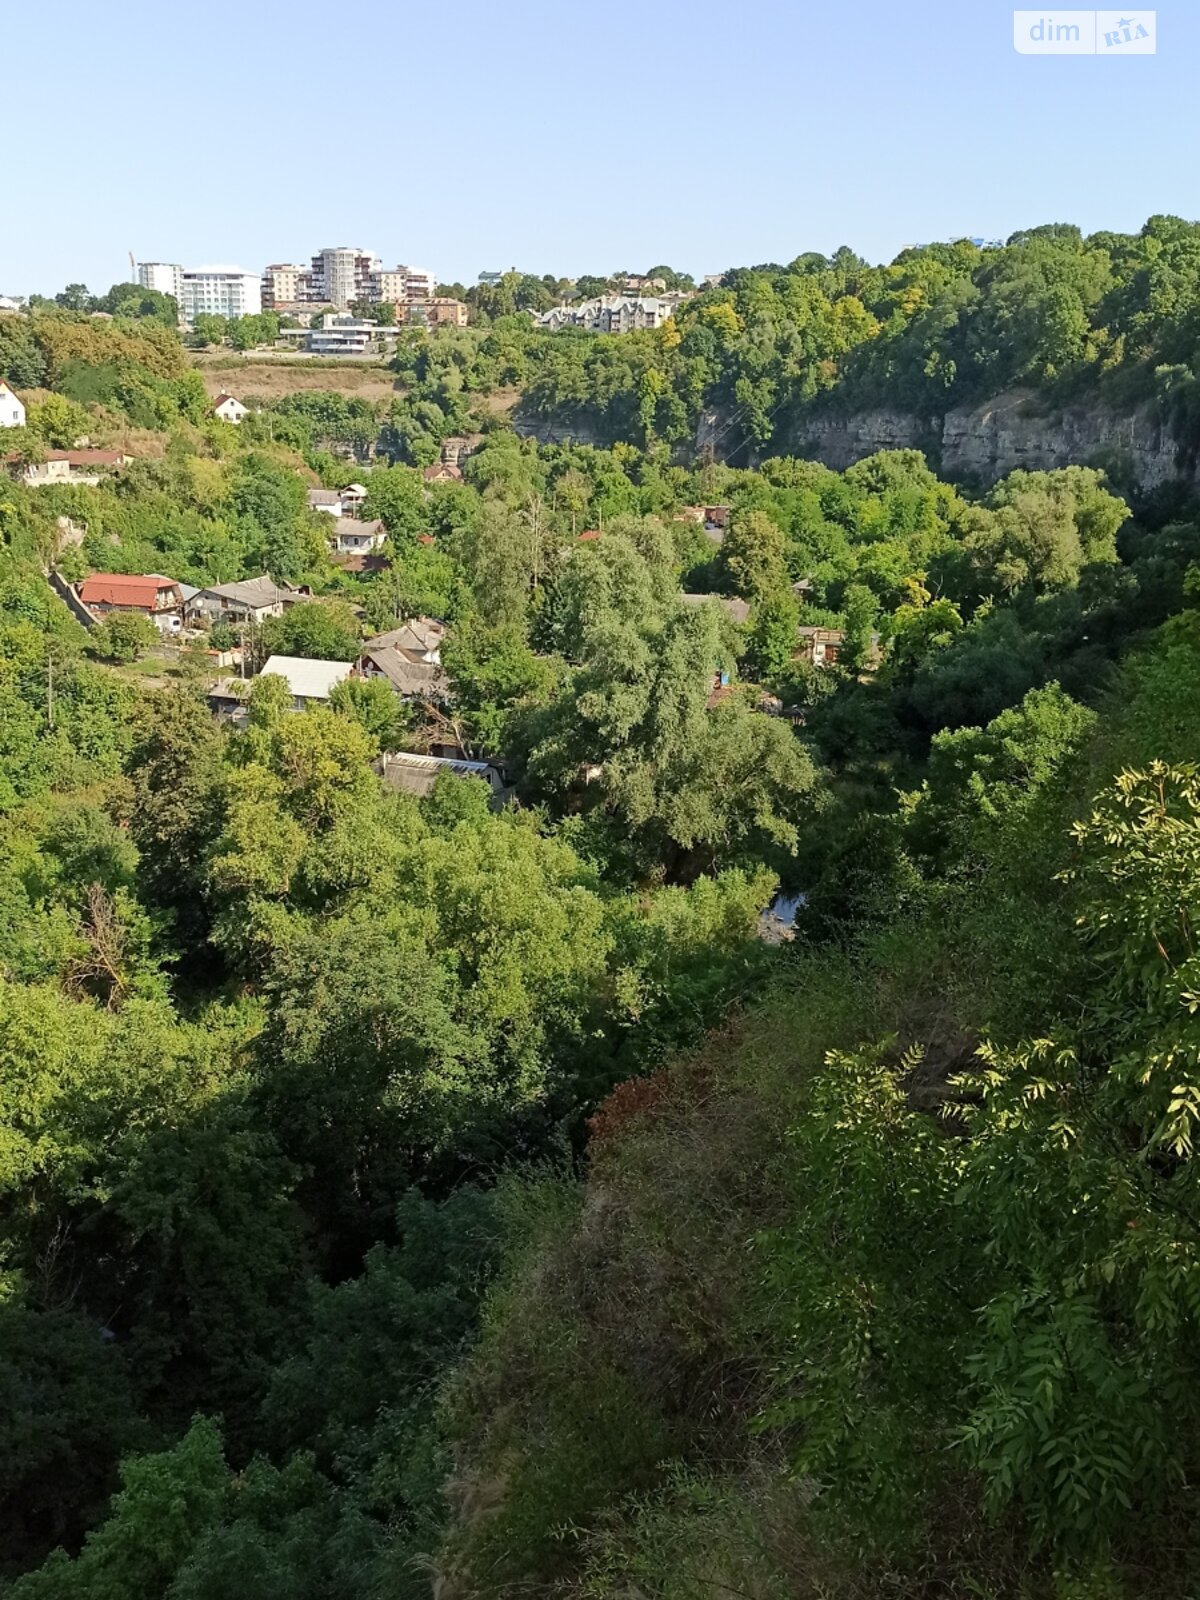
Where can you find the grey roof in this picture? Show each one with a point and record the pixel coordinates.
(418, 633)
(251, 592)
(417, 774)
(408, 674)
(351, 525)
(229, 689)
(307, 679)
(188, 592)
(324, 497)
(733, 607)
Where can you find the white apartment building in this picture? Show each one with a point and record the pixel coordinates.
(219, 291)
(164, 276)
(12, 412)
(343, 274)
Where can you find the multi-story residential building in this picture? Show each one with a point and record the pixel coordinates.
(164, 276)
(286, 284)
(343, 274)
(439, 312)
(402, 285)
(219, 291)
(421, 284)
(389, 288)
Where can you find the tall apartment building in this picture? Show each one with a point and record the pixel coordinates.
(219, 291)
(286, 285)
(164, 276)
(343, 274)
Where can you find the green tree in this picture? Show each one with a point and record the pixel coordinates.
(210, 329)
(374, 705)
(326, 630)
(57, 421)
(123, 637)
(753, 555)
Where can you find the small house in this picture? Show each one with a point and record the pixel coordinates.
(310, 681)
(413, 774)
(230, 409)
(353, 538)
(12, 410)
(820, 646)
(252, 600)
(410, 675)
(442, 472)
(421, 635)
(66, 466)
(327, 500)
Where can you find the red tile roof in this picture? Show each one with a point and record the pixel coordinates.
(80, 458)
(123, 589)
(590, 533)
(90, 458)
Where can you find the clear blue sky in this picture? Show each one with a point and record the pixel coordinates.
(567, 138)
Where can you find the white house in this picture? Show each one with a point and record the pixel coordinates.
(12, 412)
(251, 600)
(229, 408)
(327, 500)
(351, 537)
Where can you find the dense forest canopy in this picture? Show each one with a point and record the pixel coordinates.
(944, 325)
(405, 1189)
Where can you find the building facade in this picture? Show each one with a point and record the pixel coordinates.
(613, 313)
(286, 284)
(220, 292)
(164, 276)
(229, 408)
(342, 274)
(158, 598)
(440, 312)
(12, 411)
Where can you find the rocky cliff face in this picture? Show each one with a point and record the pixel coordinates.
(988, 441)
(992, 439)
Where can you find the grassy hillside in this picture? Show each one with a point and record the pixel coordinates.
(272, 378)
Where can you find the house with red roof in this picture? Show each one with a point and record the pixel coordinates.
(442, 472)
(157, 598)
